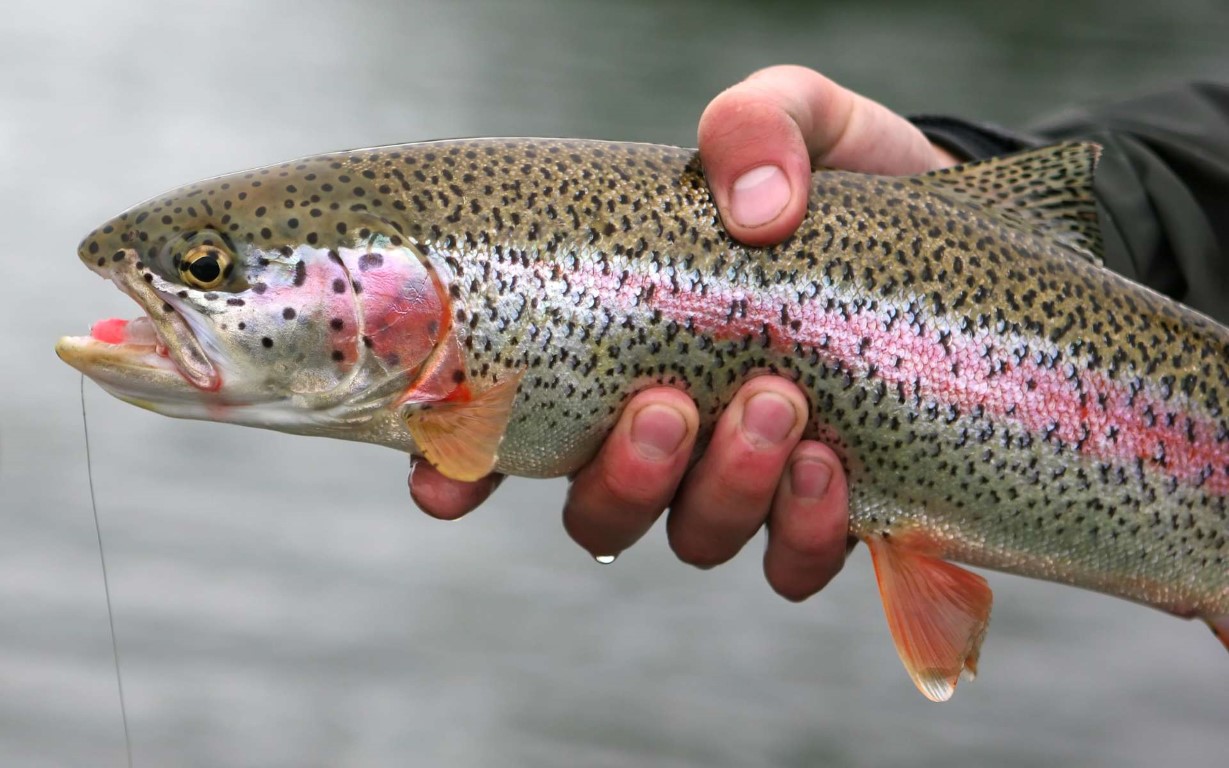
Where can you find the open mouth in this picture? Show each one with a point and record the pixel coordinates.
(119, 351)
(137, 333)
(144, 352)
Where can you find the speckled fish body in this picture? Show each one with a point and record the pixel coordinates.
(997, 397)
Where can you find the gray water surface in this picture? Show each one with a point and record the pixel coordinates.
(278, 600)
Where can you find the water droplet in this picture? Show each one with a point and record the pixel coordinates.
(605, 559)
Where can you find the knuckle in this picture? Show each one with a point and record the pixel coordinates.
(747, 482)
(809, 546)
(614, 485)
(818, 541)
(643, 493)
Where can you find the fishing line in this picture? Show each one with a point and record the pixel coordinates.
(106, 584)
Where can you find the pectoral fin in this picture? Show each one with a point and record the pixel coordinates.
(937, 613)
(461, 437)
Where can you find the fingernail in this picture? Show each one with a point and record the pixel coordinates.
(768, 418)
(759, 195)
(809, 479)
(657, 431)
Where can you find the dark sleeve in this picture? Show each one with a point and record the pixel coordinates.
(1162, 184)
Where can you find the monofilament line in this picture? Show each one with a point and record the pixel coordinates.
(106, 585)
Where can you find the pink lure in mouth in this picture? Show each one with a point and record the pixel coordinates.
(110, 331)
(139, 332)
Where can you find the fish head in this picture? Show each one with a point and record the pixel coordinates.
(267, 301)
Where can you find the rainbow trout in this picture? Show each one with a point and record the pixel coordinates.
(997, 397)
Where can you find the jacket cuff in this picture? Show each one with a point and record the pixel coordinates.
(972, 141)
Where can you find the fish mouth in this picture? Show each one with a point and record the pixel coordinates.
(155, 353)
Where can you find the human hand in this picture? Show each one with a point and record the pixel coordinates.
(794, 120)
(759, 141)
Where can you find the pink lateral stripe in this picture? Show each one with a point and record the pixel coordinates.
(960, 371)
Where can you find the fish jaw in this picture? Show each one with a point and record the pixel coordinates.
(133, 372)
(166, 327)
(142, 375)
(155, 361)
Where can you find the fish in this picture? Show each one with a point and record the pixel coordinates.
(997, 397)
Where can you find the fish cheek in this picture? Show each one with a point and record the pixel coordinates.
(337, 322)
(298, 325)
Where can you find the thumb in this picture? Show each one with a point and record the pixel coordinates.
(760, 139)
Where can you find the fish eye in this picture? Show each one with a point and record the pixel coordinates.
(205, 267)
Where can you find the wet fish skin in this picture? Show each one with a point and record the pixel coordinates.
(997, 398)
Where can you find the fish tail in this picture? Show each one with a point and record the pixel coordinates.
(1220, 628)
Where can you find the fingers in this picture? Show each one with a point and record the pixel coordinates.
(760, 138)
(618, 496)
(808, 526)
(447, 499)
(727, 495)
(755, 469)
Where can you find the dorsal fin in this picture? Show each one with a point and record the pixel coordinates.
(1050, 187)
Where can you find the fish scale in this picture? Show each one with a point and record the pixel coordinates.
(997, 397)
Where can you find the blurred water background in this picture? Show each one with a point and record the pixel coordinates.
(278, 600)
